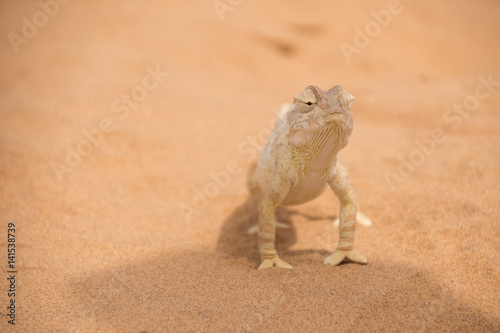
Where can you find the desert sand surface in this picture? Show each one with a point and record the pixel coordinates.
(128, 129)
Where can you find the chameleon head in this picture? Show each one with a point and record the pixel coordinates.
(315, 110)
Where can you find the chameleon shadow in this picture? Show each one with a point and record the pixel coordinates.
(169, 291)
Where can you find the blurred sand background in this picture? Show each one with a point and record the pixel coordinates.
(119, 239)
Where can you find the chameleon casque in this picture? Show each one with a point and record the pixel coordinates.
(297, 163)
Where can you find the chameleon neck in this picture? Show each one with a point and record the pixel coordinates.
(317, 152)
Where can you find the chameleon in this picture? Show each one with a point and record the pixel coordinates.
(298, 162)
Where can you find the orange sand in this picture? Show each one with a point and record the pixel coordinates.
(116, 244)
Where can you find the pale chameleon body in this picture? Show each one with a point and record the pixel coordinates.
(299, 161)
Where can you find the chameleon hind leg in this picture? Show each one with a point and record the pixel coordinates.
(255, 228)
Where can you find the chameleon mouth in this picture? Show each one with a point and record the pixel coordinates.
(329, 119)
(333, 117)
(322, 120)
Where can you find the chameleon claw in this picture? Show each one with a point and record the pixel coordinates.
(253, 229)
(356, 257)
(336, 258)
(281, 225)
(268, 263)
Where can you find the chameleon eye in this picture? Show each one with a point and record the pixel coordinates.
(306, 107)
(306, 100)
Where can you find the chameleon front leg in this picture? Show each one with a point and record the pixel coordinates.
(267, 232)
(347, 225)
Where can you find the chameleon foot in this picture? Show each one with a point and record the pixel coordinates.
(267, 263)
(336, 258)
(255, 229)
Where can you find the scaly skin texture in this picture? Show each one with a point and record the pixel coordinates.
(297, 163)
